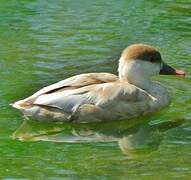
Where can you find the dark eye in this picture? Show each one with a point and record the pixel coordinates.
(152, 59)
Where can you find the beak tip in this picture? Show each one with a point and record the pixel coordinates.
(180, 73)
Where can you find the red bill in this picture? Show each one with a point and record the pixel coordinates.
(168, 70)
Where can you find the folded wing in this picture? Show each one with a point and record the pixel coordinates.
(73, 82)
(107, 100)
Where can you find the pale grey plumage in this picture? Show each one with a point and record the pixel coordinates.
(102, 96)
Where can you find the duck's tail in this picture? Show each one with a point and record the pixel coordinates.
(22, 104)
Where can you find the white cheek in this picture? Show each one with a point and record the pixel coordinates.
(151, 69)
(142, 68)
(137, 69)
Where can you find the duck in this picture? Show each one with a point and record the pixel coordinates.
(95, 97)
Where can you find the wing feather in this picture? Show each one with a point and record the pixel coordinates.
(107, 96)
(73, 82)
(78, 81)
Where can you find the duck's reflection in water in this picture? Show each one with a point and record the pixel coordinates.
(136, 136)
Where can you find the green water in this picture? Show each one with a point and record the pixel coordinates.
(42, 42)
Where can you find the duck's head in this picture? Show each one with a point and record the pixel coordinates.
(139, 62)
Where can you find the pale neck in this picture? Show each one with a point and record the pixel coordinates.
(156, 91)
(143, 83)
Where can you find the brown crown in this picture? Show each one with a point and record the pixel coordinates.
(141, 52)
